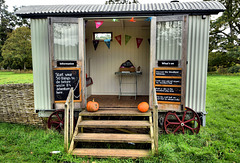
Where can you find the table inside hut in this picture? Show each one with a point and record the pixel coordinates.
(127, 73)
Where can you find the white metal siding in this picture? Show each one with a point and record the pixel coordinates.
(198, 40)
(40, 58)
(105, 62)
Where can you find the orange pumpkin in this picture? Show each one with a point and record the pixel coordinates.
(143, 107)
(92, 106)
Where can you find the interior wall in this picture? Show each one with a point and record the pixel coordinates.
(102, 63)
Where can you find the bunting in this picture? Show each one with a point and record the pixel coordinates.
(95, 44)
(139, 41)
(132, 20)
(98, 23)
(148, 19)
(107, 42)
(118, 38)
(127, 38)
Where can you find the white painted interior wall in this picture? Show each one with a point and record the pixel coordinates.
(102, 63)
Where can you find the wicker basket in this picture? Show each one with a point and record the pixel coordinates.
(127, 69)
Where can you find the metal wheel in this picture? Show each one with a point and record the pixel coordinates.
(188, 122)
(56, 120)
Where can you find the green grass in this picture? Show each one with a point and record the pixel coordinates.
(15, 78)
(219, 141)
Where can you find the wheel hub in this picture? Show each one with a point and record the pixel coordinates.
(182, 124)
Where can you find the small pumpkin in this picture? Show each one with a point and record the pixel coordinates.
(143, 107)
(92, 106)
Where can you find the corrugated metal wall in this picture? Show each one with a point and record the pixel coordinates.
(198, 36)
(104, 62)
(198, 40)
(40, 58)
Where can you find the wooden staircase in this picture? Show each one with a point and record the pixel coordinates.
(122, 126)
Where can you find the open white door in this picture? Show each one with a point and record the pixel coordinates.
(67, 60)
(168, 61)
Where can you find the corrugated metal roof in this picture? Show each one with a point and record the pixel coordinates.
(204, 7)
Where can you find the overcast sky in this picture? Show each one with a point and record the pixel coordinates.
(19, 3)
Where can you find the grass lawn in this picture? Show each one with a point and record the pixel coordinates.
(15, 78)
(219, 141)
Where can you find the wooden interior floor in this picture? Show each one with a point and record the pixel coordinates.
(111, 101)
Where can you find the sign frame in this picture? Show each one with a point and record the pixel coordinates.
(168, 77)
(79, 84)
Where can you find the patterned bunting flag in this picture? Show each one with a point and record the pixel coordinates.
(95, 44)
(139, 41)
(98, 23)
(148, 19)
(107, 42)
(127, 38)
(118, 38)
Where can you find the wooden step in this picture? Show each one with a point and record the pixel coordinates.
(104, 153)
(114, 124)
(115, 112)
(111, 137)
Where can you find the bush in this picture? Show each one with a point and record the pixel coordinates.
(222, 70)
(234, 69)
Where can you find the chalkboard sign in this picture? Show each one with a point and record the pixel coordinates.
(168, 81)
(168, 72)
(169, 98)
(168, 89)
(64, 79)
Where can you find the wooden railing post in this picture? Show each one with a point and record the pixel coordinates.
(69, 105)
(71, 113)
(66, 122)
(155, 121)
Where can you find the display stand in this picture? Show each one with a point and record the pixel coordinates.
(120, 74)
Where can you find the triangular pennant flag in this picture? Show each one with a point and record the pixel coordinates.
(149, 41)
(118, 38)
(98, 23)
(148, 19)
(132, 20)
(139, 41)
(115, 20)
(127, 38)
(107, 42)
(95, 44)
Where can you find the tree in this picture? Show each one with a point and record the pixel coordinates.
(121, 1)
(225, 36)
(8, 22)
(16, 51)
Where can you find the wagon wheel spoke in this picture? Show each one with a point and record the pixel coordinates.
(182, 129)
(58, 117)
(176, 129)
(193, 119)
(55, 122)
(189, 128)
(184, 114)
(173, 123)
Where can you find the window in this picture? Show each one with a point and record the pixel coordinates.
(101, 36)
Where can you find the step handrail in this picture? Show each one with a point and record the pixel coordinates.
(155, 121)
(68, 119)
